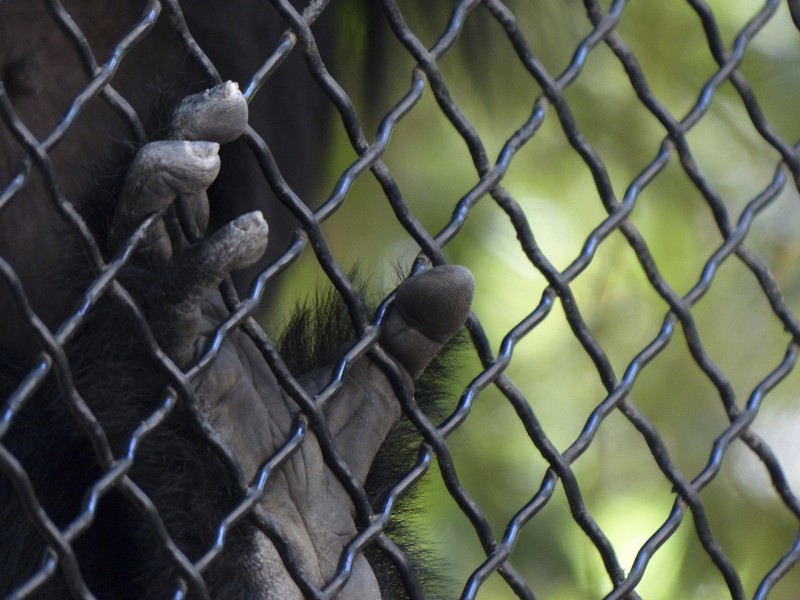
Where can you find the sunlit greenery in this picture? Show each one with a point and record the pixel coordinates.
(622, 487)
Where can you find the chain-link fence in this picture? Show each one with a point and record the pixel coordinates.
(627, 423)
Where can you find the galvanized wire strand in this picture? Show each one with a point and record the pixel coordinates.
(489, 180)
(756, 266)
(736, 239)
(677, 135)
(369, 155)
(110, 95)
(178, 22)
(784, 565)
(734, 583)
(748, 97)
(311, 12)
(675, 518)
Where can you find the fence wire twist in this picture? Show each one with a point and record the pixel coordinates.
(428, 77)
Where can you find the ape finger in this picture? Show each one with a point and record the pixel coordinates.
(161, 171)
(187, 220)
(218, 115)
(174, 302)
(428, 310)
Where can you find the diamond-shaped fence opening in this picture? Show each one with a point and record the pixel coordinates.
(620, 178)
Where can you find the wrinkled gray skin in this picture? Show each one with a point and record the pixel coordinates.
(239, 393)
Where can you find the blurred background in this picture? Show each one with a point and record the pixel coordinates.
(623, 488)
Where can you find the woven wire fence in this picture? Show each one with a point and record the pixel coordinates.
(628, 412)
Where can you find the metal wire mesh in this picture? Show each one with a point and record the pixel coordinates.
(562, 480)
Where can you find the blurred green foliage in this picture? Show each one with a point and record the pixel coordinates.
(621, 485)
